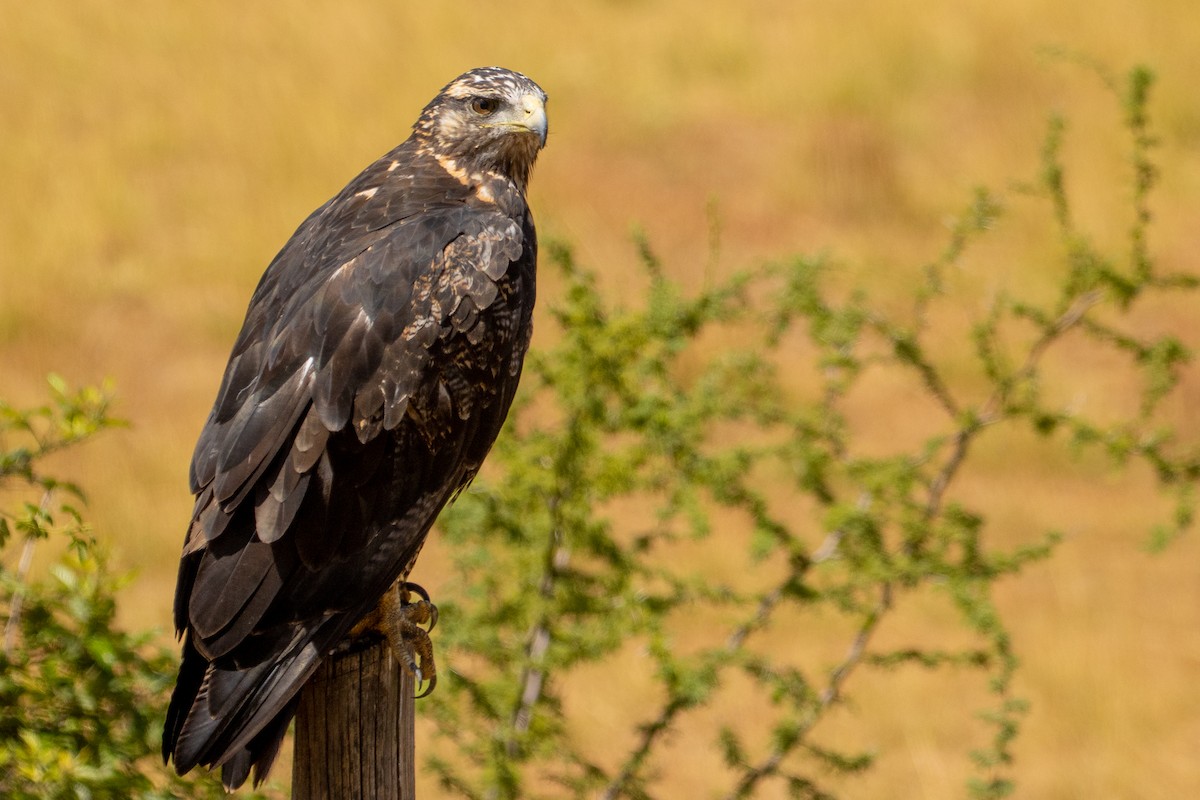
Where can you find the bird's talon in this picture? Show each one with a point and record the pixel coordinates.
(406, 622)
(406, 587)
(428, 689)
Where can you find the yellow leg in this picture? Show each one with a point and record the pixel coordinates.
(398, 618)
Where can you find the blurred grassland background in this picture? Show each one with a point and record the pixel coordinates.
(154, 156)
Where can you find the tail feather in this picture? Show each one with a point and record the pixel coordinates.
(237, 718)
(191, 678)
(265, 747)
(235, 771)
(259, 753)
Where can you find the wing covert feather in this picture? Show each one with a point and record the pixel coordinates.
(356, 386)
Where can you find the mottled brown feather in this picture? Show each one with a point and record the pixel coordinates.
(378, 359)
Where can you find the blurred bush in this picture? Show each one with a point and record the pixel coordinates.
(81, 701)
(696, 413)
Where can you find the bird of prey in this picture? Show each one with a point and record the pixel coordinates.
(378, 359)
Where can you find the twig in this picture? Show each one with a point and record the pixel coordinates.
(938, 486)
(992, 406)
(13, 625)
(829, 695)
(766, 605)
(533, 676)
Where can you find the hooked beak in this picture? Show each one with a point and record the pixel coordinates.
(534, 109)
(530, 115)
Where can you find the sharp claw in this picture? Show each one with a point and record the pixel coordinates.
(428, 689)
(406, 622)
(416, 589)
(419, 678)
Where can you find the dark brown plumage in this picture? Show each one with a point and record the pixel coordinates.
(378, 359)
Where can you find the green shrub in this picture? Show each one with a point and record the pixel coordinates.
(698, 412)
(81, 702)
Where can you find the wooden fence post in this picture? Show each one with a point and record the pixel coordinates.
(354, 729)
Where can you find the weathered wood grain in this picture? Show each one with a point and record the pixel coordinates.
(354, 730)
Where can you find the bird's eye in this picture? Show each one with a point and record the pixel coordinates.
(484, 105)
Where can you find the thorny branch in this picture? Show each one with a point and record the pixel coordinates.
(533, 675)
(13, 625)
(829, 695)
(991, 412)
(652, 730)
(993, 407)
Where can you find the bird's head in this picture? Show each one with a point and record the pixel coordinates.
(487, 120)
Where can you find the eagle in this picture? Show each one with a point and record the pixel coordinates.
(378, 359)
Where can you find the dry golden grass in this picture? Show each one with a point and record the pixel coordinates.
(155, 155)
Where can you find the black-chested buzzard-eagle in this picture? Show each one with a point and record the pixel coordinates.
(378, 359)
